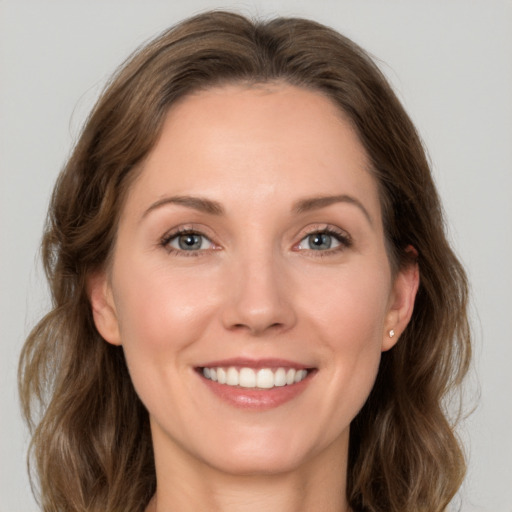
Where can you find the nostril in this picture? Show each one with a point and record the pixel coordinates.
(257, 313)
(256, 329)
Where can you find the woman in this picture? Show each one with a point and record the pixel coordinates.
(255, 305)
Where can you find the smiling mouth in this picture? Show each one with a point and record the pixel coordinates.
(250, 378)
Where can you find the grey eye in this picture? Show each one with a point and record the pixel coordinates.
(319, 241)
(190, 242)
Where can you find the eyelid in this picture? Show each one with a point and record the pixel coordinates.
(342, 236)
(188, 229)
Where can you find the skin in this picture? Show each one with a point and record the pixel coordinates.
(256, 288)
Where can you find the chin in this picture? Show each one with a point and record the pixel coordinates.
(271, 455)
(261, 464)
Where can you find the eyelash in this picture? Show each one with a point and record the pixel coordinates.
(344, 239)
(169, 237)
(340, 236)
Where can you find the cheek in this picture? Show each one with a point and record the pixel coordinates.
(160, 311)
(348, 319)
(351, 305)
(161, 316)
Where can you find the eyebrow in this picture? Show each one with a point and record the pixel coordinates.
(196, 203)
(214, 208)
(316, 203)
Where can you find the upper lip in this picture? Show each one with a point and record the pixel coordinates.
(255, 363)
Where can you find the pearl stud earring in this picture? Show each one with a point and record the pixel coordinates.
(391, 333)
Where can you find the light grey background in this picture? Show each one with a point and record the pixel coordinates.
(451, 63)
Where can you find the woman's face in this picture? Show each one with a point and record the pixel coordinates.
(251, 249)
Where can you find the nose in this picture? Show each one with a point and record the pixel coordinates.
(259, 297)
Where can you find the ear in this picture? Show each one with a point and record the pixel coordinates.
(103, 307)
(402, 298)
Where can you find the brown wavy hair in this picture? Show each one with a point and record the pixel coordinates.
(91, 446)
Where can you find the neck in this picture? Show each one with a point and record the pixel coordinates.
(320, 484)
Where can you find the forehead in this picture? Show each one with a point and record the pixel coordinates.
(273, 141)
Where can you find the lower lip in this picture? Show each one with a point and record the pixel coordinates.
(257, 399)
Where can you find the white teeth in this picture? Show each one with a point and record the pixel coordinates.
(280, 377)
(264, 378)
(247, 378)
(232, 377)
(290, 376)
(299, 375)
(221, 375)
